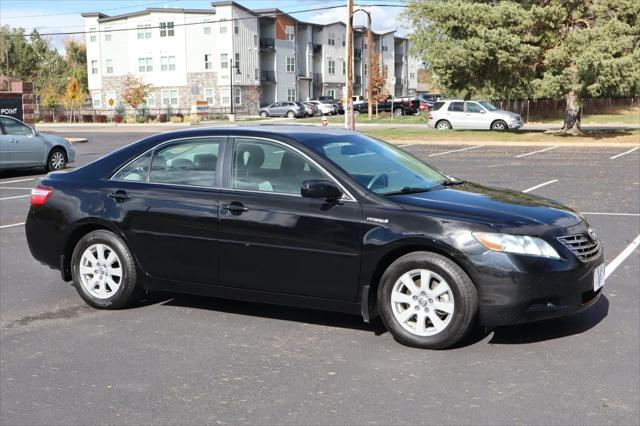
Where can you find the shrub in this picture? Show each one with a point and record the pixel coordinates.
(176, 118)
(101, 118)
(87, 118)
(130, 120)
(193, 118)
(162, 118)
(47, 118)
(151, 117)
(117, 118)
(140, 119)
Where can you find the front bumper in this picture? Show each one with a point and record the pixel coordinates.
(514, 289)
(515, 124)
(71, 154)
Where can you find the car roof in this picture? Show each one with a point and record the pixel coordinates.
(298, 132)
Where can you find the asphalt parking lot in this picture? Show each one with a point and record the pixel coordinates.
(190, 360)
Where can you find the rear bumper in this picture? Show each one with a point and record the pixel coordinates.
(516, 289)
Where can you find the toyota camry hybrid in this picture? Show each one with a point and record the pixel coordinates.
(313, 217)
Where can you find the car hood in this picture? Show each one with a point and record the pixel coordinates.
(54, 139)
(501, 208)
(508, 114)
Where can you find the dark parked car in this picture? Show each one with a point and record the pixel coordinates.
(397, 106)
(313, 217)
(22, 146)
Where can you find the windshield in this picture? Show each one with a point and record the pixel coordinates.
(376, 165)
(487, 106)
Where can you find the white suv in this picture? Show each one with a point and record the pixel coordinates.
(457, 114)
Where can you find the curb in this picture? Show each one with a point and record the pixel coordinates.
(77, 140)
(512, 143)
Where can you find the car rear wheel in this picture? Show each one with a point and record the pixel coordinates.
(104, 271)
(291, 114)
(356, 112)
(499, 126)
(443, 125)
(398, 112)
(427, 301)
(264, 114)
(57, 160)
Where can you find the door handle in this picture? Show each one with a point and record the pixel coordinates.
(119, 196)
(13, 140)
(235, 208)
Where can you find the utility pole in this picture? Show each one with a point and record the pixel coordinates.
(349, 121)
(369, 60)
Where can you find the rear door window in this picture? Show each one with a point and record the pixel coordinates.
(189, 162)
(456, 107)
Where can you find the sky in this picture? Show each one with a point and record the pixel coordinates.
(64, 15)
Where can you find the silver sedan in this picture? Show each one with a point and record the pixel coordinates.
(23, 147)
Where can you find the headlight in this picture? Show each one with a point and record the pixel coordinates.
(518, 244)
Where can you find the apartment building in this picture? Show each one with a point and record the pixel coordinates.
(190, 55)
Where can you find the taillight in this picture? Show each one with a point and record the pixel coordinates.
(40, 195)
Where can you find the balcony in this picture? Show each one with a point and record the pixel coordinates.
(317, 48)
(357, 80)
(267, 44)
(317, 77)
(267, 76)
(399, 58)
(357, 53)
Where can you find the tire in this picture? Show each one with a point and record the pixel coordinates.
(356, 113)
(499, 126)
(57, 160)
(291, 114)
(398, 112)
(105, 294)
(460, 297)
(264, 114)
(443, 125)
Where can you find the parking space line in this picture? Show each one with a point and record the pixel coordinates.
(625, 153)
(14, 197)
(16, 181)
(16, 187)
(533, 188)
(456, 150)
(621, 257)
(405, 145)
(535, 152)
(611, 214)
(13, 224)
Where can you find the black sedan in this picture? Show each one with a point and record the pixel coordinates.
(313, 217)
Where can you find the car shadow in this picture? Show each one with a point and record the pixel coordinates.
(19, 173)
(263, 310)
(507, 335)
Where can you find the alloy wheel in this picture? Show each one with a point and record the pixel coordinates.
(57, 160)
(422, 302)
(100, 271)
(443, 125)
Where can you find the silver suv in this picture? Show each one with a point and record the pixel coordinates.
(457, 114)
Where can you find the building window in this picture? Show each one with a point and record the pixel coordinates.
(167, 63)
(384, 48)
(208, 96)
(331, 66)
(257, 76)
(344, 67)
(109, 63)
(291, 32)
(95, 98)
(169, 97)
(237, 99)
(331, 93)
(110, 98)
(166, 29)
(385, 71)
(237, 64)
(365, 69)
(208, 61)
(92, 34)
(107, 34)
(343, 43)
(207, 30)
(150, 100)
(236, 29)
(331, 41)
(144, 31)
(291, 64)
(291, 95)
(224, 97)
(255, 40)
(365, 45)
(223, 29)
(145, 64)
(224, 60)
(94, 67)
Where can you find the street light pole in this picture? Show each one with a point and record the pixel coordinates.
(369, 60)
(231, 77)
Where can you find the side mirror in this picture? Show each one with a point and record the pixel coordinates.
(482, 111)
(320, 189)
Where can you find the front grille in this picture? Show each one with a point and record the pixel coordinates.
(582, 246)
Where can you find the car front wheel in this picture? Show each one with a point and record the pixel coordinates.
(398, 112)
(499, 126)
(104, 271)
(427, 301)
(57, 160)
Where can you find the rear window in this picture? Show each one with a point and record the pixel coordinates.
(437, 106)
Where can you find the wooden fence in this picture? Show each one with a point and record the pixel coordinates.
(540, 109)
